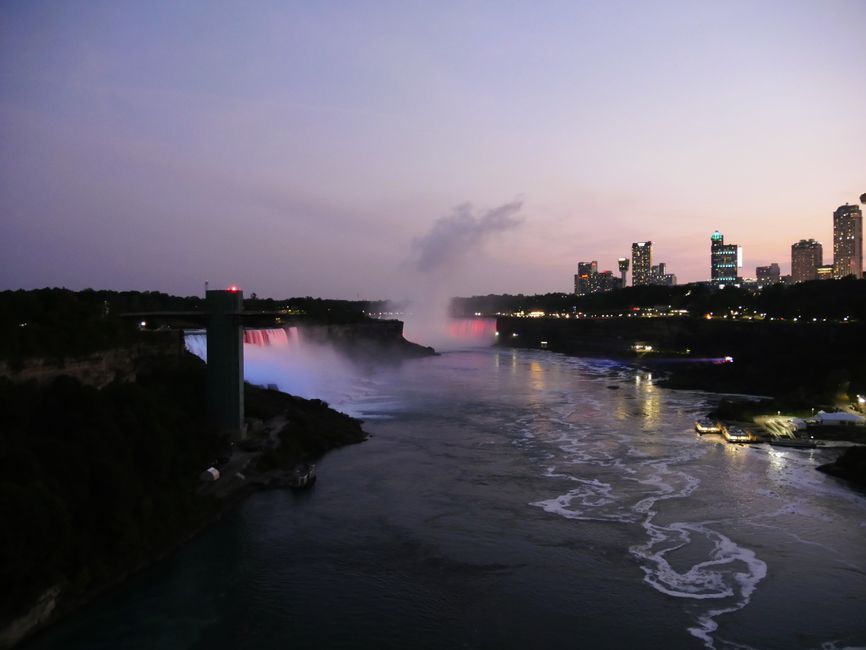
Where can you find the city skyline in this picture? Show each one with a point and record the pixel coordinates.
(300, 150)
(726, 259)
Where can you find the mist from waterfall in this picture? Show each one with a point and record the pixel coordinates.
(284, 358)
(449, 334)
(281, 357)
(437, 268)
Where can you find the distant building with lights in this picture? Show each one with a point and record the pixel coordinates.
(807, 255)
(770, 274)
(725, 259)
(589, 280)
(659, 275)
(622, 262)
(607, 281)
(825, 272)
(585, 274)
(848, 241)
(641, 263)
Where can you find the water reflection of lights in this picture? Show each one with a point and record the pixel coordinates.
(536, 375)
(778, 462)
(506, 359)
(651, 398)
(735, 452)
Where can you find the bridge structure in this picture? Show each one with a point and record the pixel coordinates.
(224, 319)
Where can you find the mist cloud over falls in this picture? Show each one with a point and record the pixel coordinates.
(454, 237)
(437, 264)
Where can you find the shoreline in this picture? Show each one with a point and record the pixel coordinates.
(217, 501)
(301, 430)
(849, 466)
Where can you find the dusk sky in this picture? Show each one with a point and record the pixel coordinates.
(367, 149)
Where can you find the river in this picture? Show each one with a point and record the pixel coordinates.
(513, 499)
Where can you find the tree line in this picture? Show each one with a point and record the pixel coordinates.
(831, 299)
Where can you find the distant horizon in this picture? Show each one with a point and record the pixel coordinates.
(409, 150)
(396, 300)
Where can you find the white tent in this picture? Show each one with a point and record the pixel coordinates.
(839, 419)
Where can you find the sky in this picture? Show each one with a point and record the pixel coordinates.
(378, 149)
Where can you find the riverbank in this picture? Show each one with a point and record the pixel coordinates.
(808, 363)
(798, 367)
(99, 484)
(851, 466)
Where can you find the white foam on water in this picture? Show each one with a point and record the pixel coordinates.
(592, 500)
(728, 571)
(832, 645)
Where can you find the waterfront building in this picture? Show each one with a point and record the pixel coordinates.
(770, 274)
(848, 241)
(806, 256)
(641, 263)
(623, 269)
(725, 259)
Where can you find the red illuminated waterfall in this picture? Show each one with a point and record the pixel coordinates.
(472, 329)
(271, 337)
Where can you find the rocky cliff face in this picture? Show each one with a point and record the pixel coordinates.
(98, 369)
(15, 631)
(379, 339)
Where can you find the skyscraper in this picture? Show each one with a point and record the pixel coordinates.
(586, 272)
(848, 241)
(725, 259)
(641, 263)
(806, 256)
(768, 274)
(590, 280)
(623, 268)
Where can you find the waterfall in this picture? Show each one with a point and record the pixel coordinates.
(472, 330)
(270, 337)
(196, 340)
(281, 357)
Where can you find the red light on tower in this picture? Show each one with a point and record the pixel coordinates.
(234, 289)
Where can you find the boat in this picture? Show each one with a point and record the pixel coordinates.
(736, 434)
(302, 476)
(706, 425)
(796, 443)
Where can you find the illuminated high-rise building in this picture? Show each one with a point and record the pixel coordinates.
(586, 272)
(623, 268)
(641, 263)
(725, 259)
(848, 241)
(590, 280)
(807, 255)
